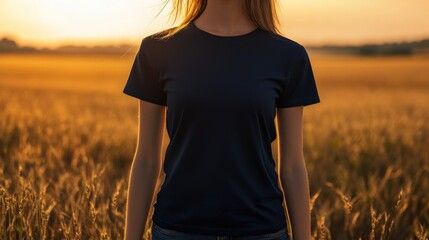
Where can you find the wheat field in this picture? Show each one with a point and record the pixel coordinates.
(67, 139)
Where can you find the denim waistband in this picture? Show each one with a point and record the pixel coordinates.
(206, 236)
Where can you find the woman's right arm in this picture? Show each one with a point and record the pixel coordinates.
(145, 168)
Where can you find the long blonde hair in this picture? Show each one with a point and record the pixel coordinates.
(262, 12)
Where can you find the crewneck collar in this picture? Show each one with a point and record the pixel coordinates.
(250, 34)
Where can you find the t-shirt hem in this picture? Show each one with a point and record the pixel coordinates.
(217, 231)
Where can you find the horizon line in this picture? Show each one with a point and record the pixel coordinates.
(126, 42)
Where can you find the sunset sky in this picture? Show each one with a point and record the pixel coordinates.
(50, 23)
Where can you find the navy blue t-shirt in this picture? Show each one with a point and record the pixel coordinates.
(221, 94)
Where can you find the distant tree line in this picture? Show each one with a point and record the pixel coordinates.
(401, 48)
(10, 46)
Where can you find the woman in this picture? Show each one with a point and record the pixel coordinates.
(218, 81)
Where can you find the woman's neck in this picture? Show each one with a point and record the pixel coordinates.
(225, 17)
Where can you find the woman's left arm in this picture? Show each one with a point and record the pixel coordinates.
(293, 172)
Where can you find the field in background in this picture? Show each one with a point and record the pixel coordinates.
(67, 138)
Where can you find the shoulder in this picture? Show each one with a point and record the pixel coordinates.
(154, 45)
(155, 39)
(158, 49)
(285, 45)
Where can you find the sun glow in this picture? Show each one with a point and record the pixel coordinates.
(77, 20)
(56, 22)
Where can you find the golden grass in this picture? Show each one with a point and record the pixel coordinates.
(67, 138)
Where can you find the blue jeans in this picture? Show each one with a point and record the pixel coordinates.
(159, 233)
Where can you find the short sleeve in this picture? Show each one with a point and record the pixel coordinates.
(143, 80)
(300, 88)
